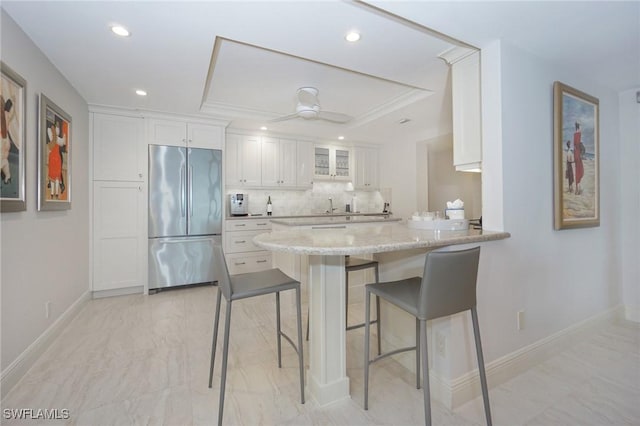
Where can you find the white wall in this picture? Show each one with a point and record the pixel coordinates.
(559, 278)
(630, 202)
(447, 184)
(45, 255)
(398, 173)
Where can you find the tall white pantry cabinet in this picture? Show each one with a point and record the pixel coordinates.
(119, 237)
(119, 154)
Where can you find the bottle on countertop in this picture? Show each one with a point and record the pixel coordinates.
(269, 206)
(354, 205)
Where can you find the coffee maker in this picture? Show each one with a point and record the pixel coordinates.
(239, 204)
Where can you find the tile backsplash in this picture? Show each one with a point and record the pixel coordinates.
(311, 201)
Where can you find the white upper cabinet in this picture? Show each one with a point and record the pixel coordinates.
(243, 161)
(181, 133)
(278, 162)
(119, 149)
(304, 164)
(332, 163)
(366, 168)
(467, 131)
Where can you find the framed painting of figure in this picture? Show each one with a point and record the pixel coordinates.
(576, 158)
(54, 157)
(13, 99)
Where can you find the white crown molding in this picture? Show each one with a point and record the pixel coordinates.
(143, 113)
(453, 55)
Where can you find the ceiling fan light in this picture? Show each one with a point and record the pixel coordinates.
(352, 36)
(307, 113)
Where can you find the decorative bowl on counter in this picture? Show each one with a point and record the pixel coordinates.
(440, 224)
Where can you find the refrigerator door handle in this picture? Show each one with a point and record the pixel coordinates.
(190, 190)
(182, 191)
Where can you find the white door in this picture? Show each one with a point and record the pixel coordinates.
(270, 162)
(119, 236)
(167, 132)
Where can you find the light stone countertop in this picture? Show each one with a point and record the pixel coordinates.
(306, 216)
(332, 220)
(376, 238)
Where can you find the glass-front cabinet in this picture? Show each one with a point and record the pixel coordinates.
(332, 163)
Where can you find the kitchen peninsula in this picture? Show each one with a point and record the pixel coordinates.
(326, 247)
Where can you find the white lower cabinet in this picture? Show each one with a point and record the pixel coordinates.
(119, 237)
(242, 255)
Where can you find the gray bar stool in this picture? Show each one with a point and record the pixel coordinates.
(357, 264)
(448, 286)
(243, 286)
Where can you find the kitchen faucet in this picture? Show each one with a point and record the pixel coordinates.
(331, 209)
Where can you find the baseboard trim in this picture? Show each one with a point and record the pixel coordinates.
(467, 386)
(18, 368)
(139, 289)
(632, 313)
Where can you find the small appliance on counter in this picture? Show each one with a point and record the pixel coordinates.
(239, 204)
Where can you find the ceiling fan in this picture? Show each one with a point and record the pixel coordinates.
(308, 107)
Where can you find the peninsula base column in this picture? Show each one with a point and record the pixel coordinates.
(327, 379)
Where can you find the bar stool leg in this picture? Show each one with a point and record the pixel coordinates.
(378, 314)
(300, 357)
(346, 298)
(483, 375)
(215, 335)
(278, 330)
(418, 352)
(225, 355)
(367, 318)
(425, 372)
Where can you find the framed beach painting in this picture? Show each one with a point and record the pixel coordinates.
(13, 100)
(576, 158)
(54, 157)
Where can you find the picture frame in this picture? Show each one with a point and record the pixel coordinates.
(13, 131)
(576, 158)
(54, 157)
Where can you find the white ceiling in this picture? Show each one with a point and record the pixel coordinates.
(268, 49)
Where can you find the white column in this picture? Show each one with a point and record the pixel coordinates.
(327, 378)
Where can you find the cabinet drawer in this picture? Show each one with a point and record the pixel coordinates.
(248, 225)
(240, 242)
(242, 264)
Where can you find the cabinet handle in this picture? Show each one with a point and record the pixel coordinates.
(262, 224)
(241, 242)
(140, 189)
(261, 261)
(240, 224)
(140, 174)
(239, 263)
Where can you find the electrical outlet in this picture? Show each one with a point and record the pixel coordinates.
(47, 309)
(441, 344)
(520, 320)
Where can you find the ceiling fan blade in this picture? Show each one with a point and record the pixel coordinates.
(286, 117)
(336, 117)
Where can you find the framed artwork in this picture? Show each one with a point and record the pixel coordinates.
(54, 157)
(13, 100)
(576, 158)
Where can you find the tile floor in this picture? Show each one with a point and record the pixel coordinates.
(144, 360)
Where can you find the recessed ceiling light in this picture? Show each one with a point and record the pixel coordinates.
(120, 30)
(340, 137)
(141, 92)
(263, 128)
(352, 36)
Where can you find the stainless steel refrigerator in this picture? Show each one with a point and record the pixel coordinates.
(185, 214)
